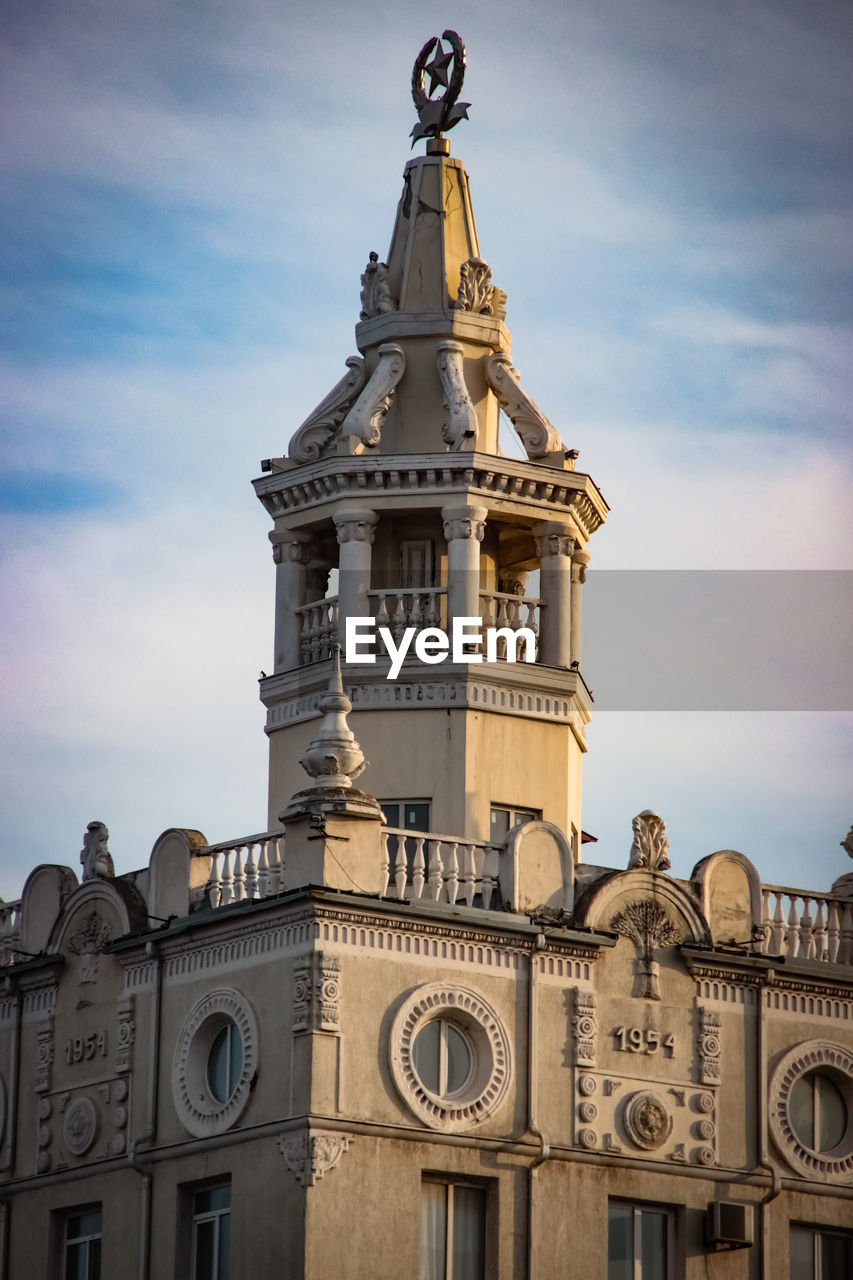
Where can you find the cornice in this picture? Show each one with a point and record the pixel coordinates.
(528, 490)
(771, 971)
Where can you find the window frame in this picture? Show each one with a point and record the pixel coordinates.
(514, 815)
(639, 1207)
(68, 1242)
(488, 1189)
(187, 1252)
(818, 1233)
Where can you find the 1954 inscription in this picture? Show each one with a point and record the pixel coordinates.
(643, 1040)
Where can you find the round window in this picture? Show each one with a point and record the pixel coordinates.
(443, 1057)
(225, 1062)
(450, 1056)
(811, 1109)
(818, 1112)
(216, 1055)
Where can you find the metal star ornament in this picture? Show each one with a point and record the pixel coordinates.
(446, 68)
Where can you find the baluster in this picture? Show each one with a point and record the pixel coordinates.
(451, 877)
(263, 870)
(227, 881)
(398, 622)
(401, 870)
(531, 607)
(791, 933)
(333, 624)
(275, 859)
(386, 865)
(418, 868)
(820, 952)
(305, 637)
(434, 882)
(313, 633)
(469, 874)
(806, 949)
(250, 873)
(324, 627)
(382, 612)
(238, 875)
(489, 876)
(416, 613)
(777, 929)
(214, 891)
(432, 616)
(833, 932)
(845, 951)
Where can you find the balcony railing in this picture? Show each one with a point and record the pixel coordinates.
(10, 931)
(806, 926)
(417, 607)
(319, 630)
(437, 868)
(249, 868)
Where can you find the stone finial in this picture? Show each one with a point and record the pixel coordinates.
(847, 843)
(376, 297)
(334, 758)
(95, 856)
(650, 847)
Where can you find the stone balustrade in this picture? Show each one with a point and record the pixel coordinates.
(417, 607)
(806, 926)
(319, 629)
(501, 609)
(249, 868)
(438, 868)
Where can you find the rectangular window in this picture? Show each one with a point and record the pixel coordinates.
(820, 1253)
(83, 1228)
(416, 563)
(504, 818)
(453, 1231)
(411, 815)
(639, 1242)
(211, 1232)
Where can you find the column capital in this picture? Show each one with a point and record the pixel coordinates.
(289, 546)
(464, 522)
(580, 559)
(355, 524)
(553, 539)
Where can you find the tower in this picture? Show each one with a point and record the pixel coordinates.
(395, 503)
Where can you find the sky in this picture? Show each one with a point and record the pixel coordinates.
(189, 193)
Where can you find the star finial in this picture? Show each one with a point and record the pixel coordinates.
(446, 69)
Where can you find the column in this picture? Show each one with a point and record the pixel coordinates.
(355, 528)
(554, 547)
(463, 528)
(580, 560)
(290, 554)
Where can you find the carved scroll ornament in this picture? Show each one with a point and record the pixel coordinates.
(320, 427)
(650, 848)
(537, 434)
(460, 430)
(364, 419)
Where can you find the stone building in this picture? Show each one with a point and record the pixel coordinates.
(408, 1030)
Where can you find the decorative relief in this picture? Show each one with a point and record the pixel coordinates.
(125, 1035)
(647, 1121)
(317, 993)
(823, 1058)
(355, 526)
(44, 1055)
(89, 941)
(710, 1046)
(585, 1026)
(310, 1155)
(321, 426)
(80, 1126)
(537, 434)
(491, 1070)
(648, 926)
(476, 291)
(650, 848)
(364, 419)
(460, 430)
(376, 297)
(289, 547)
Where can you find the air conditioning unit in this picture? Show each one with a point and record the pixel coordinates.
(729, 1225)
